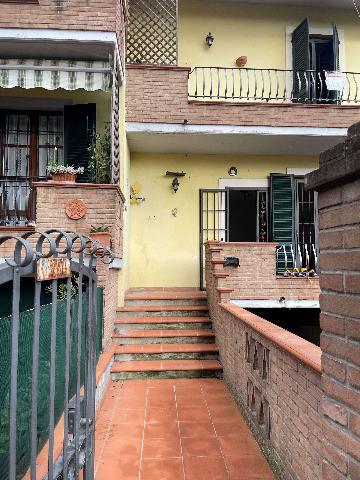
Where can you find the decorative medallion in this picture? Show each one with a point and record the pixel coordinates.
(75, 209)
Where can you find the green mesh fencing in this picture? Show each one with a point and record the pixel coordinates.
(25, 372)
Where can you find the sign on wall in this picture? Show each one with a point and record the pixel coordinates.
(52, 269)
(335, 81)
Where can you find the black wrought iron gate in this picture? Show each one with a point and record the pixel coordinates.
(213, 222)
(48, 381)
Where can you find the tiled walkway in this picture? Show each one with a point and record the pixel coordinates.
(174, 430)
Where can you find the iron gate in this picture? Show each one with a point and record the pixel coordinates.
(60, 379)
(213, 222)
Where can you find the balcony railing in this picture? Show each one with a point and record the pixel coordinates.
(299, 260)
(16, 203)
(265, 85)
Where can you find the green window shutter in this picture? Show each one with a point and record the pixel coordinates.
(79, 126)
(336, 43)
(282, 200)
(301, 62)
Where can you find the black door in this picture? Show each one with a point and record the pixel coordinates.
(247, 215)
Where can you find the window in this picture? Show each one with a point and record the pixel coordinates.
(312, 55)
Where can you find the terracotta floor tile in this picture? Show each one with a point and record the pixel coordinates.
(111, 469)
(196, 429)
(123, 448)
(127, 416)
(160, 415)
(205, 468)
(161, 430)
(200, 447)
(131, 403)
(219, 412)
(161, 448)
(127, 430)
(243, 444)
(230, 427)
(161, 402)
(193, 414)
(248, 467)
(161, 469)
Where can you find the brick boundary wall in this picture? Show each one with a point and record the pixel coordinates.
(338, 184)
(275, 379)
(256, 278)
(105, 205)
(160, 95)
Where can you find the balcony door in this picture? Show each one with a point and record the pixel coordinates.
(312, 56)
(29, 141)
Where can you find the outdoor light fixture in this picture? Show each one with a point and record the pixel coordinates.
(209, 39)
(175, 184)
(232, 171)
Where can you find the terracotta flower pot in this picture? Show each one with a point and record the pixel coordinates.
(102, 237)
(63, 177)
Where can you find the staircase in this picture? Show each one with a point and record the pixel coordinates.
(164, 334)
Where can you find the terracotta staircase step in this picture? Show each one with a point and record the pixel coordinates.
(166, 333)
(159, 319)
(145, 310)
(167, 348)
(166, 369)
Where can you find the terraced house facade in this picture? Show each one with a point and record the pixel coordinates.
(197, 127)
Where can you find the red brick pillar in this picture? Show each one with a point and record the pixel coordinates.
(338, 184)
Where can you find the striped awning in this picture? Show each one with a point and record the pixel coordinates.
(53, 74)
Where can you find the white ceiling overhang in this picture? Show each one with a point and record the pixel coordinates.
(231, 140)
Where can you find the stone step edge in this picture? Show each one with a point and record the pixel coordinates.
(116, 367)
(164, 319)
(165, 297)
(144, 332)
(163, 308)
(157, 348)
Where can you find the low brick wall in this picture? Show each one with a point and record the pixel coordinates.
(104, 206)
(256, 278)
(275, 378)
(338, 184)
(160, 95)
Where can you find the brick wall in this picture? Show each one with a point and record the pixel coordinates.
(100, 15)
(256, 278)
(104, 207)
(275, 379)
(338, 184)
(160, 94)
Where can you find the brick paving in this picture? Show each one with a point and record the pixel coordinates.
(174, 430)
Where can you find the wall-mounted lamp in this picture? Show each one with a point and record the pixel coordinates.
(209, 40)
(232, 171)
(175, 184)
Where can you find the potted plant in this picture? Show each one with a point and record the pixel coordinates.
(100, 157)
(63, 173)
(102, 234)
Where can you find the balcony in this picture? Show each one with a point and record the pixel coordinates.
(272, 85)
(250, 112)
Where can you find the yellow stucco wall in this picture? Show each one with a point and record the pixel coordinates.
(256, 31)
(164, 250)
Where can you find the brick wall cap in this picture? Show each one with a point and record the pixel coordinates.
(146, 66)
(224, 289)
(306, 352)
(257, 244)
(5, 229)
(272, 104)
(97, 186)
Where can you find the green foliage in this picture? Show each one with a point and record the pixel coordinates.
(100, 228)
(100, 156)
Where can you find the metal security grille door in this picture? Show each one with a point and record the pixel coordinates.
(213, 222)
(48, 355)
